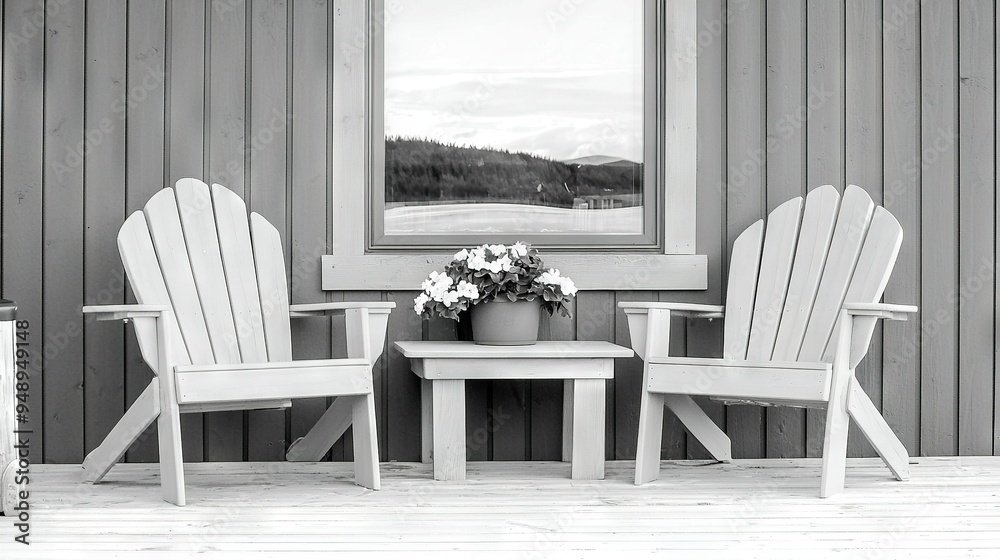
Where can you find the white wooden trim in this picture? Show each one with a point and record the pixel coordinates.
(681, 117)
(678, 268)
(590, 271)
(349, 105)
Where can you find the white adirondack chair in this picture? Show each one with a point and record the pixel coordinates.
(212, 321)
(801, 307)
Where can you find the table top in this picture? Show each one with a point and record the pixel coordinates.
(542, 349)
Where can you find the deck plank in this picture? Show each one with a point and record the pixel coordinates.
(764, 506)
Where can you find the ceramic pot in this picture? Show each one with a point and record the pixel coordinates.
(506, 323)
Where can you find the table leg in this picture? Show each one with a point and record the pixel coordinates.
(567, 439)
(426, 421)
(588, 429)
(448, 411)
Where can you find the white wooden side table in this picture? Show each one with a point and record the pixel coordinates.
(443, 367)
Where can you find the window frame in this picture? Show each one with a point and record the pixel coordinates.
(650, 239)
(669, 265)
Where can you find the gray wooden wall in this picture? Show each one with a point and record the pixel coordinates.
(105, 102)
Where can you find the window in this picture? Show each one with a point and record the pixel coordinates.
(515, 118)
(569, 124)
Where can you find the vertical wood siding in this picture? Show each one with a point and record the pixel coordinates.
(107, 101)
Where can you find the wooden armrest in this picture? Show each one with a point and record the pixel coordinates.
(328, 308)
(864, 317)
(691, 310)
(893, 312)
(126, 312)
(643, 316)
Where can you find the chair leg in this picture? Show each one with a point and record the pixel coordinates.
(700, 426)
(878, 432)
(171, 457)
(139, 416)
(330, 427)
(365, 442)
(168, 424)
(647, 451)
(838, 422)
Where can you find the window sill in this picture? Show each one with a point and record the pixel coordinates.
(590, 271)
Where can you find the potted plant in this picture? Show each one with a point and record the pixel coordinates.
(503, 287)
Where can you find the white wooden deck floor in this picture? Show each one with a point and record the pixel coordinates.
(754, 509)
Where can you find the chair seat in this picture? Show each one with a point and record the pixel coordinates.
(740, 380)
(272, 380)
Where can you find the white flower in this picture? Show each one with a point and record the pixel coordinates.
(467, 290)
(518, 250)
(419, 302)
(568, 287)
(432, 279)
(552, 277)
(477, 258)
(500, 265)
(477, 262)
(505, 263)
(437, 284)
(462, 255)
(498, 250)
(449, 297)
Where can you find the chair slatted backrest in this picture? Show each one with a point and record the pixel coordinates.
(192, 248)
(812, 259)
